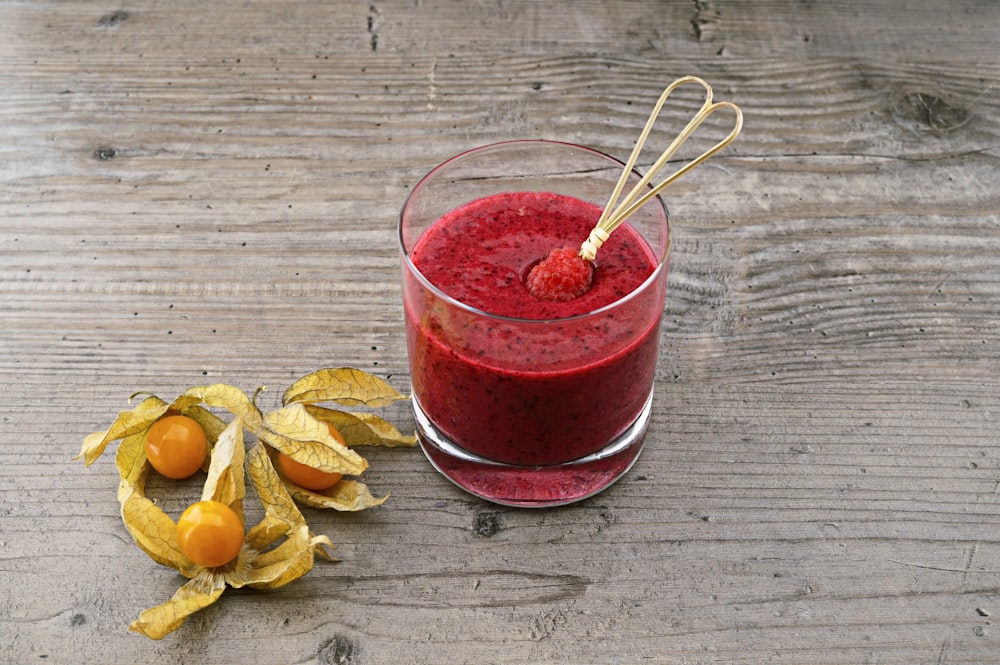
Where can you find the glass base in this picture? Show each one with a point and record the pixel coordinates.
(532, 486)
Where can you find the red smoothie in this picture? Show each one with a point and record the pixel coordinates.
(537, 382)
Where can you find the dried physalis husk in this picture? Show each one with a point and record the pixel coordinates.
(347, 386)
(343, 385)
(136, 422)
(346, 495)
(230, 398)
(127, 424)
(277, 566)
(293, 431)
(299, 429)
(156, 533)
(363, 429)
(350, 387)
(260, 564)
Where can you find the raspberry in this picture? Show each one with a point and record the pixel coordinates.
(561, 276)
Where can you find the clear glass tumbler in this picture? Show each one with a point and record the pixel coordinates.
(525, 411)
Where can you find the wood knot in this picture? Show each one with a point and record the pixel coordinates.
(706, 20)
(921, 110)
(487, 524)
(105, 154)
(113, 20)
(338, 650)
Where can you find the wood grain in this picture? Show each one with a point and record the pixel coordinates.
(195, 193)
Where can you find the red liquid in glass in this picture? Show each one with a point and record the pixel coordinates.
(528, 393)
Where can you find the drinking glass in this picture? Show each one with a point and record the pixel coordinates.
(528, 412)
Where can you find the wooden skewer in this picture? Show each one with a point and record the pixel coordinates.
(613, 214)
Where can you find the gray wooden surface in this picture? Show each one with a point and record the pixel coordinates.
(200, 192)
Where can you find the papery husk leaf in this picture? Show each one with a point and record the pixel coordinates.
(272, 568)
(287, 562)
(226, 481)
(211, 423)
(363, 429)
(343, 385)
(346, 496)
(293, 431)
(265, 533)
(387, 434)
(153, 530)
(127, 423)
(198, 593)
(281, 515)
(131, 461)
(230, 398)
(279, 508)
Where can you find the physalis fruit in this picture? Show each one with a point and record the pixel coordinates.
(210, 533)
(176, 446)
(309, 477)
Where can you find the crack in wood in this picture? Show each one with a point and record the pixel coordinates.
(373, 24)
(483, 588)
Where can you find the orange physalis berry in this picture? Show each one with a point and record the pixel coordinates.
(176, 446)
(210, 533)
(308, 477)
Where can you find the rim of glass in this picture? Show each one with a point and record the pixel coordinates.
(660, 266)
